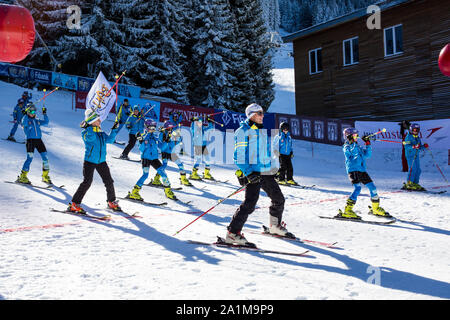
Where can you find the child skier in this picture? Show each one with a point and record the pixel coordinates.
(149, 155)
(32, 128)
(413, 145)
(199, 139)
(18, 114)
(167, 142)
(355, 164)
(254, 163)
(95, 141)
(134, 126)
(284, 142)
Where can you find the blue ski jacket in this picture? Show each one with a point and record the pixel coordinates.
(149, 146)
(32, 126)
(95, 141)
(410, 141)
(355, 156)
(284, 141)
(199, 136)
(134, 124)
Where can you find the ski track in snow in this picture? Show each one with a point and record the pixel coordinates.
(50, 255)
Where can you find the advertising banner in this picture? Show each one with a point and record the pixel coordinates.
(40, 76)
(187, 112)
(64, 81)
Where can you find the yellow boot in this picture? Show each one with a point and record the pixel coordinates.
(194, 175)
(23, 177)
(157, 180)
(134, 194)
(377, 210)
(184, 180)
(207, 175)
(348, 211)
(46, 177)
(169, 193)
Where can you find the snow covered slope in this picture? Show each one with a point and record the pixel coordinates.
(50, 255)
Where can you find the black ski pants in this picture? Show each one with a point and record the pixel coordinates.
(286, 169)
(131, 143)
(271, 187)
(88, 175)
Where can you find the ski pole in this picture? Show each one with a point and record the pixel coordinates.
(118, 79)
(389, 141)
(435, 163)
(375, 133)
(220, 124)
(46, 95)
(218, 202)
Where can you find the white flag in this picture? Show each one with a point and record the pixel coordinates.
(98, 98)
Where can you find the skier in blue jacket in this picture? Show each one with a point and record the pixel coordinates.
(148, 146)
(252, 157)
(134, 125)
(167, 141)
(199, 132)
(355, 164)
(413, 145)
(18, 114)
(32, 129)
(95, 141)
(284, 142)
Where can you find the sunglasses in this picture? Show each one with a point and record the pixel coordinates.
(32, 112)
(260, 113)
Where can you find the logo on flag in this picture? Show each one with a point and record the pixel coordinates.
(100, 97)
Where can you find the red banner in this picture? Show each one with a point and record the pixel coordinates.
(187, 112)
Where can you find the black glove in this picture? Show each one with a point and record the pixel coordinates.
(84, 124)
(366, 140)
(292, 154)
(139, 137)
(254, 177)
(115, 125)
(24, 111)
(44, 110)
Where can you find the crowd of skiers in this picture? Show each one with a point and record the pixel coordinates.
(251, 155)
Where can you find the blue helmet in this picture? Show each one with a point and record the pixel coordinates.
(349, 132)
(150, 124)
(414, 128)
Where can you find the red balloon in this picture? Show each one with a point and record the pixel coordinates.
(444, 60)
(16, 33)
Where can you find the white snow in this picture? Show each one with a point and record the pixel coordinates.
(49, 255)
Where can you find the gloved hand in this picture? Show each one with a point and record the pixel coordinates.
(84, 124)
(241, 178)
(44, 110)
(115, 125)
(276, 153)
(416, 146)
(139, 137)
(292, 154)
(366, 140)
(426, 145)
(254, 177)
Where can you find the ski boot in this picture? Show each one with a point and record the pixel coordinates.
(124, 157)
(292, 183)
(237, 239)
(348, 212)
(279, 228)
(283, 182)
(169, 193)
(207, 175)
(184, 180)
(11, 138)
(194, 175)
(114, 205)
(134, 194)
(156, 180)
(46, 177)
(23, 177)
(74, 207)
(376, 210)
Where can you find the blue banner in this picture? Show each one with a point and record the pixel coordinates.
(129, 91)
(64, 81)
(4, 69)
(40, 76)
(85, 84)
(18, 72)
(232, 120)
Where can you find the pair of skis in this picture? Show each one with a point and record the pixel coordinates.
(390, 218)
(48, 187)
(106, 217)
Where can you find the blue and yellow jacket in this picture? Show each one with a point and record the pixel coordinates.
(135, 124)
(284, 141)
(32, 126)
(95, 141)
(410, 141)
(251, 149)
(199, 134)
(355, 156)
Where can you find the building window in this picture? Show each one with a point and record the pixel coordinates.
(393, 40)
(315, 61)
(351, 51)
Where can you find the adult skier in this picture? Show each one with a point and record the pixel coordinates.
(134, 126)
(252, 156)
(122, 114)
(32, 128)
(413, 145)
(284, 143)
(148, 146)
(95, 141)
(167, 142)
(18, 113)
(355, 164)
(199, 132)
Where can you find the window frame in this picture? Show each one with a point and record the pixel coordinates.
(316, 60)
(352, 62)
(394, 41)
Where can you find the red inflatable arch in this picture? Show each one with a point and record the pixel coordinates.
(16, 33)
(444, 60)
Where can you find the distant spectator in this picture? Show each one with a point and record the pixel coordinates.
(404, 127)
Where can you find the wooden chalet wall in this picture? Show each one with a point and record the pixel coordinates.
(405, 86)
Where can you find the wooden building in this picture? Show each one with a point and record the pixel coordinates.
(346, 70)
